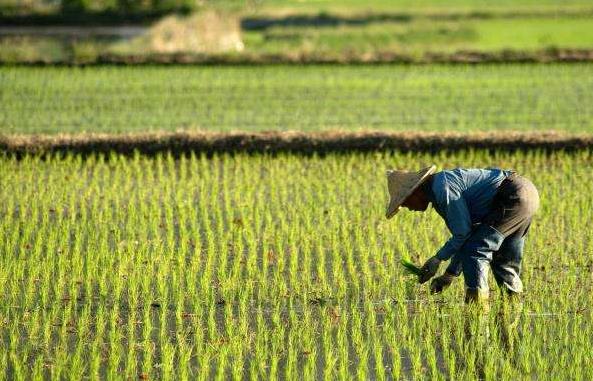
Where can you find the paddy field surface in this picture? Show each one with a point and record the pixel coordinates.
(284, 267)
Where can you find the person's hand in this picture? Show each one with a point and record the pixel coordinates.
(429, 269)
(440, 283)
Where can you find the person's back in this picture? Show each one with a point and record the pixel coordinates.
(476, 186)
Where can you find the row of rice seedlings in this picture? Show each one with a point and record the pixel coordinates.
(462, 98)
(255, 266)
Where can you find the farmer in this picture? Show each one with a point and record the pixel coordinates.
(487, 211)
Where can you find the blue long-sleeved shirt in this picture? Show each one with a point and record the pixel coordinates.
(463, 198)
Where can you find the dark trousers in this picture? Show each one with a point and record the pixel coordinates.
(497, 242)
(513, 206)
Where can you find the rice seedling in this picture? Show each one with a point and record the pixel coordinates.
(410, 267)
(251, 267)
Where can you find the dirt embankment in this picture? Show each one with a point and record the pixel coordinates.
(180, 143)
(246, 58)
(463, 57)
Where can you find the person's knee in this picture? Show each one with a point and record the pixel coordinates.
(475, 272)
(509, 284)
(511, 248)
(507, 273)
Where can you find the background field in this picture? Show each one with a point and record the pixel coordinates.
(411, 4)
(322, 37)
(418, 36)
(303, 31)
(257, 267)
(308, 98)
(135, 6)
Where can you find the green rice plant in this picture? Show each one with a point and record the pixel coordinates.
(116, 270)
(454, 98)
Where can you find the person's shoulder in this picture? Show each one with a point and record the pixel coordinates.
(468, 173)
(450, 180)
(439, 179)
(447, 173)
(454, 171)
(440, 188)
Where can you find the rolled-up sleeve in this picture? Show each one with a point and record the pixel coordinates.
(456, 215)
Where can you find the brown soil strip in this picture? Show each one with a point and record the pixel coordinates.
(180, 143)
(460, 57)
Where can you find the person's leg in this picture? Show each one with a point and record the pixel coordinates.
(512, 209)
(476, 254)
(522, 201)
(506, 264)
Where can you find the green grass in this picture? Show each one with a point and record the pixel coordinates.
(348, 6)
(532, 34)
(421, 36)
(309, 98)
(258, 267)
(428, 3)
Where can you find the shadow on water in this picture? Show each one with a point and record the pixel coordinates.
(320, 20)
(325, 19)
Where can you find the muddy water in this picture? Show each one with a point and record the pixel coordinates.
(124, 32)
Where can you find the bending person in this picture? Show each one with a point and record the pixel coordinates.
(487, 211)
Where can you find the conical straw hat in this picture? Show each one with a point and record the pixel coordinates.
(401, 184)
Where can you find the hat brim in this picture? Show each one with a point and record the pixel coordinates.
(395, 204)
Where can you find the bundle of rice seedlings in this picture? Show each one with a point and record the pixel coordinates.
(411, 267)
